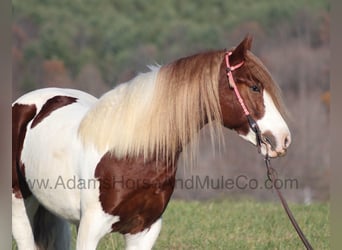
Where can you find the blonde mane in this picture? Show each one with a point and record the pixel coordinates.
(159, 112)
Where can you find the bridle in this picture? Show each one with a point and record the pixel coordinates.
(271, 173)
(252, 123)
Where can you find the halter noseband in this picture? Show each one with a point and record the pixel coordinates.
(252, 123)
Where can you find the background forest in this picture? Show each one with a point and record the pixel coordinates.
(94, 45)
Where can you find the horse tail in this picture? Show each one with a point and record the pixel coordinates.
(50, 231)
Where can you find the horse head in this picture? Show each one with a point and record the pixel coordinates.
(260, 95)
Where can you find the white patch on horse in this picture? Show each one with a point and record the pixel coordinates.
(273, 122)
(48, 179)
(21, 225)
(53, 176)
(94, 224)
(145, 239)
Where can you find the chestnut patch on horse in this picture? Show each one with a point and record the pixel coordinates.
(137, 191)
(51, 105)
(21, 115)
(232, 112)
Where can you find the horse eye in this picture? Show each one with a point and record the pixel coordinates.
(255, 88)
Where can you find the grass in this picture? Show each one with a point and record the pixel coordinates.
(233, 225)
(236, 225)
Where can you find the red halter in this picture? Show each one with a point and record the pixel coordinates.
(252, 123)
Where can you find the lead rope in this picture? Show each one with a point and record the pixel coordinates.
(272, 176)
(271, 173)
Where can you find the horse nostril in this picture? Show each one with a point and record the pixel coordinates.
(287, 141)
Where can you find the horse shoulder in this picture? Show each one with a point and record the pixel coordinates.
(135, 190)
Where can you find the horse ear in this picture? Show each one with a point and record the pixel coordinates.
(239, 53)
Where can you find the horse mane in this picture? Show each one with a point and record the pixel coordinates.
(159, 112)
(156, 113)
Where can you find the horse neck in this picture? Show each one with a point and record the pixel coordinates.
(160, 111)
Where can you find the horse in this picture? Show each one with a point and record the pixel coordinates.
(109, 164)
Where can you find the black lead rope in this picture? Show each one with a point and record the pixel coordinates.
(272, 176)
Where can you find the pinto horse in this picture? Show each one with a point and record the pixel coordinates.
(109, 164)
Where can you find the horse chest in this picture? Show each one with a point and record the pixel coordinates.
(136, 191)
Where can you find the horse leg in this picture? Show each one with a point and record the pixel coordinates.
(34, 227)
(50, 231)
(94, 224)
(22, 221)
(145, 239)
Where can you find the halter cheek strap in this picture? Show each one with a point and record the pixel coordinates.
(232, 83)
(252, 123)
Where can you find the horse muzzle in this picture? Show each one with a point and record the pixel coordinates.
(275, 146)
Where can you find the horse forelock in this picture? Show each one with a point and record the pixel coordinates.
(159, 112)
(259, 71)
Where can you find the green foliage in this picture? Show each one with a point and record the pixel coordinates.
(123, 36)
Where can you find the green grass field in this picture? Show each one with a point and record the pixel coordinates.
(236, 225)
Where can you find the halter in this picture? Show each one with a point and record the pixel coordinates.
(252, 123)
(271, 173)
